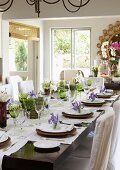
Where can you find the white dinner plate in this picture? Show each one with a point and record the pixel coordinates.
(46, 144)
(84, 111)
(3, 138)
(96, 101)
(45, 127)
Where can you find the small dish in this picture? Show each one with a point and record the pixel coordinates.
(3, 138)
(46, 144)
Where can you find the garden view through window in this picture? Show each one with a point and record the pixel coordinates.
(70, 50)
(18, 55)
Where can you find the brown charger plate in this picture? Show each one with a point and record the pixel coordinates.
(5, 142)
(104, 95)
(52, 135)
(85, 116)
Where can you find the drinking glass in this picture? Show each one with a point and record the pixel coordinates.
(79, 88)
(14, 110)
(39, 106)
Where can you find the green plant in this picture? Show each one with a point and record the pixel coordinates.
(72, 86)
(95, 71)
(46, 84)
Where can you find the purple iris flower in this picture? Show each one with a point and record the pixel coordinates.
(92, 96)
(102, 89)
(76, 105)
(31, 93)
(53, 119)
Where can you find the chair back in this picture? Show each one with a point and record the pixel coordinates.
(114, 162)
(69, 75)
(13, 80)
(7, 88)
(102, 141)
(25, 86)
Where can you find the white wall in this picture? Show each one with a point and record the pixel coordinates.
(5, 47)
(96, 25)
(20, 9)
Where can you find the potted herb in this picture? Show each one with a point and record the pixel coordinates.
(95, 71)
(46, 85)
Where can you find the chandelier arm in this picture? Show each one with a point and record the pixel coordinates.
(33, 2)
(37, 7)
(78, 7)
(5, 3)
(51, 2)
(3, 10)
(85, 3)
(74, 4)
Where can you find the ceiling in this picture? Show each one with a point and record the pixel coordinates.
(23, 31)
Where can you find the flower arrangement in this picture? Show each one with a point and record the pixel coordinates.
(76, 106)
(103, 89)
(92, 96)
(46, 85)
(4, 97)
(115, 46)
(54, 120)
(95, 71)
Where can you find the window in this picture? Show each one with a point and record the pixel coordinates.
(70, 50)
(18, 55)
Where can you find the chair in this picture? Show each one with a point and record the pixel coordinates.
(69, 75)
(25, 86)
(100, 148)
(114, 162)
(7, 88)
(13, 80)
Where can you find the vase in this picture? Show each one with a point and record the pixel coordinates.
(47, 91)
(3, 115)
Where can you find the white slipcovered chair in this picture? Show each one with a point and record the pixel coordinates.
(13, 80)
(100, 148)
(69, 75)
(114, 158)
(7, 88)
(25, 86)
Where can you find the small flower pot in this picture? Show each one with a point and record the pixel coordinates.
(47, 91)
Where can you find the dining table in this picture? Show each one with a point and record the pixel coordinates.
(20, 153)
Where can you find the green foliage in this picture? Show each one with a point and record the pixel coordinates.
(62, 41)
(20, 56)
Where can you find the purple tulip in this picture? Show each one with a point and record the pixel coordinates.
(76, 106)
(53, 119)
(31, 93)
(102, 90)
(92, 96)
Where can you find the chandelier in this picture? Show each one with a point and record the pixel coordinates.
(70, 5)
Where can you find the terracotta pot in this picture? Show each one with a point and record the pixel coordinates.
(47, 91)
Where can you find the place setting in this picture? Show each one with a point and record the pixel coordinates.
(92, 100)
(53, 128)
(77, 111)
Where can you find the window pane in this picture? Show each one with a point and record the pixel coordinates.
(82, 50)
(70, 50)
(18, 52)
(61, 56)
